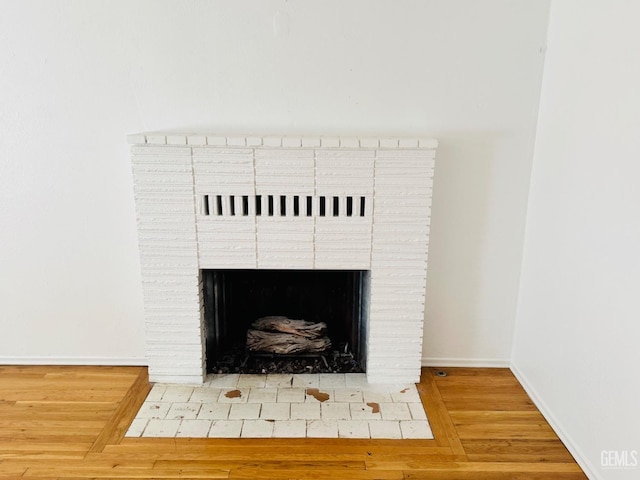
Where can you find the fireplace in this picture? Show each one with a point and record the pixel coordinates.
(247, 209)
(235, 299)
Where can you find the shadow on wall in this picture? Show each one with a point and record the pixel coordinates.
(465, 165)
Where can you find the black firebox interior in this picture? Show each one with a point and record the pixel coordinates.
(233, 299)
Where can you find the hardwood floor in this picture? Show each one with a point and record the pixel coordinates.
(69, 422)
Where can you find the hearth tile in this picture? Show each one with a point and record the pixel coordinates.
(330, 142)
(388, 143)
(182, 410)
(291, 395)
(284, 412)
(385, 429)
(417, 411)
(226, 429)
(177, 393)
(275, 411)
(161, 428)
(137, 427)
(362, 411)
(332, 380)
(254, 141)
(214, 411)
(279, 380)
(233, 395)
(290, 429)
(310, 141)
(305, 411)
(272, 141)
(176, 140)
(246, 380)
(405, 394)
(350, 142)
(263, 395)
(194, 428)
(356, 380)
(216, 140)
(335, 411)
(395, 411)
(322, 429)
(369, 142)
(291, 142)
(257, 428)
(157, 139)
(415, 429)
(244, 411)
(156, 393)
(353, 429)
(312, 396)
(205, 394)
(236, 141)
(222, 380)
(377, 395)
(350, 395)
(305, 380)
(196, 140)
(154, 409)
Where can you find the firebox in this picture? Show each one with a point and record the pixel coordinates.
(235, 299)
(233, 228)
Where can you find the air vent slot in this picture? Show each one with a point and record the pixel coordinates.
(245, 205)
(296, 206)
(270, 205)
(309, 206)
(218, 204)
(213, 205)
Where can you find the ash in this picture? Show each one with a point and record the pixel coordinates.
(239, 360)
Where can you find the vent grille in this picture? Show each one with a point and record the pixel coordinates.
(284, 206)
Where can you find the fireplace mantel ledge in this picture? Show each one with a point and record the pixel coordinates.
(279, 141)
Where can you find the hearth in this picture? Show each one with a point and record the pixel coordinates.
(213, 206)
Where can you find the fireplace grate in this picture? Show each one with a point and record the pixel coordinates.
(284, 205)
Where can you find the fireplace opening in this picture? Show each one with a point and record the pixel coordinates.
(234, 301)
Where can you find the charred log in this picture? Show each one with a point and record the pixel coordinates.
(285, 343)
(302, 328)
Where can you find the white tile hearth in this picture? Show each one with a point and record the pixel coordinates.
(283, 406)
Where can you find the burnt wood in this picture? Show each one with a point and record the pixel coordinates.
(285, 343)
(282, 324)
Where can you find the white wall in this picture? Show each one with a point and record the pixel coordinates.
(578, 324)
(77, 76)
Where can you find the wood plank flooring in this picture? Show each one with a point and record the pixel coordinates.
(69, 422)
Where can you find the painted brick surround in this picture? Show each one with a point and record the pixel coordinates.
(251, 202)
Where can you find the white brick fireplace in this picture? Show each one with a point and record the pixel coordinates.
(301, 203)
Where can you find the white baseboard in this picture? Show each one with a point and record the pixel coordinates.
(578, 455)
(465, 362)
(107, 361)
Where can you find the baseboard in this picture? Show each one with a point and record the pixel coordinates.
(578, 455)
(107, 361)
(465, 362)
